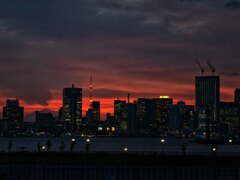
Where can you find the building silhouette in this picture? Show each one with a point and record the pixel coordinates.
(230, 118)
(182, 118)
(237, 95)
(45, 122)
(120, 113)
(162, 111)
(207, 94)
(72, 108)
(13, 116)
(93, 114)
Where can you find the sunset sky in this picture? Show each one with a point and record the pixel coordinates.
(143, 47)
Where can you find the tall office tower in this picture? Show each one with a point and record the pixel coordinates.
(145, 124)
(237, 95)
(120, 114)
(131, 118)
(13, 114)
(187, 118)
(162, 106)
(72, 108)
(207, 94)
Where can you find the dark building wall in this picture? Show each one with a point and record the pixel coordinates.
(230, 116)
(72, 107)
(13, 114)
(45, 122)
(207, 94)
(237, 95)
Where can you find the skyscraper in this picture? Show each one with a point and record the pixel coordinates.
(72, 108)
(162, 109)
(93, 114)
(120, 113)
(237, 95)
(207, 94)
(146, 121)
(13, 115)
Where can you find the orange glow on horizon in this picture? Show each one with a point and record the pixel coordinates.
(106, 104)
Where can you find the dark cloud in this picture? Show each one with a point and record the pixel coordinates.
(142, 47)
(233, 74)
(233, 4)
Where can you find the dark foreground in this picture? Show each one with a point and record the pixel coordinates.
(98, 166)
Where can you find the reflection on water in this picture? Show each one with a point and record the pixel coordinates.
(115, 144)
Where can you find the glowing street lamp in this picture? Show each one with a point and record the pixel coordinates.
(162, 142)
(43, 148)
(214, 149)
(72, 144)
(230, 144)
(125, 149)
(87, 145)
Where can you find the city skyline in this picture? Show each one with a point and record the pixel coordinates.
(145, 49)
(110, 102)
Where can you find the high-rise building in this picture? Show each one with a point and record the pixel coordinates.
(162, 110)
(182, 118)
(237, 95)
(230, 116)
(13, 114)
(131, 118)
(120, 113)
(145, 117)
(72, 108)
(207, 94)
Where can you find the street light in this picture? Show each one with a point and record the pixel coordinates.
(162, 142)
(72, 144)
(87, 145)
(214, 149)
(230, 144)
(43, 148)
(125, 149)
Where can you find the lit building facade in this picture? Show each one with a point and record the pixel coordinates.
(207, 94)
(162, 111)
(72, 108)
(230, 116)
(13, 115)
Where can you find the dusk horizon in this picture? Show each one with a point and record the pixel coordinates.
(145, 49)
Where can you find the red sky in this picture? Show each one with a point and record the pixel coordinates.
(107, 102)
(145, 48)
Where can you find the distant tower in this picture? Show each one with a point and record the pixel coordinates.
(91, 94)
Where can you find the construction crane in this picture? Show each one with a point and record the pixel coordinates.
(213, 69)
(201, 67)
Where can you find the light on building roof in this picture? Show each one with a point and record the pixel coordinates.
(164, 97)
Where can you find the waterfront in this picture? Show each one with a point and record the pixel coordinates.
(117, 144)
(103, 166)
